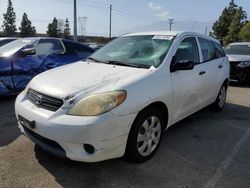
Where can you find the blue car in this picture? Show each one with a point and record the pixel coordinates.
(23, 59)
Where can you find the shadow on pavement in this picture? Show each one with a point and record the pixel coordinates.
(8, 124)
(236, 84)
(189, 154)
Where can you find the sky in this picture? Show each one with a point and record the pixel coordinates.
(127, 15)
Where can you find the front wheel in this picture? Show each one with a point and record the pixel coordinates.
(242, 78)
(221, 98)
(145, 136)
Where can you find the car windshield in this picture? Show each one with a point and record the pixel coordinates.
(135, 51)
(238, 49)
(12, 47)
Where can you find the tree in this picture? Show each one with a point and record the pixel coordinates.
(66, 32)
(228, 26)
(9, 22)
(235, 27)
(60, 26)
(53, 30)
(245, 32)
(26, 29)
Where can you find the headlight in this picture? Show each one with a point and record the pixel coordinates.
(26, 88)
(244, 63)
(98, 104)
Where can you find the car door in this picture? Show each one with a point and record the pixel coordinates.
(6, 84)
(213, 58)
(53, 51)
(27, 66)
(188, 85)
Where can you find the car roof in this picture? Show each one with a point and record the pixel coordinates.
(38, 38)
(240, 43)
(173, 33)
(7, 38)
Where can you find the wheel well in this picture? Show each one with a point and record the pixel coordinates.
(163, 109)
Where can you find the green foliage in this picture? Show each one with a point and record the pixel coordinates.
(66, 31)
(9, 22)
(245, 32)
(53, 30)
(26, 29)
(232, 19)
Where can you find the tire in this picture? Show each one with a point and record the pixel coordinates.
(242, 78)
(221, 98)
(145, 136)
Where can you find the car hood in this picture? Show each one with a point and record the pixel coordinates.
(238, 57)
(81, 77)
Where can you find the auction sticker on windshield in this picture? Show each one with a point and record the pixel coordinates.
(163, 37)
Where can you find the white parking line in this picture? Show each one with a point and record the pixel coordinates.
(223, 166)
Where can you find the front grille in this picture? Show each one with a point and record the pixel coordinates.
(44, 101)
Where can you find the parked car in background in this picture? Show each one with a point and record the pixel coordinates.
(239, 57)
(23, 59)
(95, 46)
(6, 40)
(121, 100)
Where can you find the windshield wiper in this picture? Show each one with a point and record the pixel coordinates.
(96, 60)
(120, 63)
(137, 65)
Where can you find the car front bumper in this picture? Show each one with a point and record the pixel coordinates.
(65, 135)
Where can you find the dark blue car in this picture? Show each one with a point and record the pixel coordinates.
(23, 59)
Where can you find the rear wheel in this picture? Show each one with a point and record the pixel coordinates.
(145, 136)
(221, 98)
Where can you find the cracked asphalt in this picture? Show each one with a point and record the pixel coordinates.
(205, 150)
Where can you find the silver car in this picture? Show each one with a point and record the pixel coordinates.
(239, 57)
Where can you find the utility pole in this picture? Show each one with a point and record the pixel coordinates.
(206, 31)
(110, 21)
(75, 22)
(171, 22)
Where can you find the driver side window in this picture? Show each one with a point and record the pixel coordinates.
(188, 51)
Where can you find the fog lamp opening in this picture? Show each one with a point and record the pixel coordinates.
(89, 148)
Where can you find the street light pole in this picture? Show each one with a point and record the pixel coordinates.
(75, 22)
(171, 22)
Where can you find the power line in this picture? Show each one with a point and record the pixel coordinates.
(126, 14)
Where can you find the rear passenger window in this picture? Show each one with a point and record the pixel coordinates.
(49, 46)
(219, 51)
(75, 48)
(188, 51)
(208, 50)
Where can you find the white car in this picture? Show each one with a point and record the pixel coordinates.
(120, 100)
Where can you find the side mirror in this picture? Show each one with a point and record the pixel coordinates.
(181, 65)
(29, 51)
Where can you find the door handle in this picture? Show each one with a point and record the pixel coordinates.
(202, 72)
(220, 66)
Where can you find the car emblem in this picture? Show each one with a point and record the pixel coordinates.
(39, 99)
